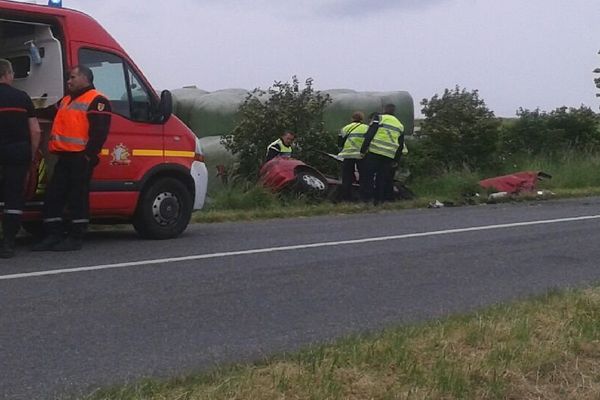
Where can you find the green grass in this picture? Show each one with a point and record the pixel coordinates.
(543, 348)
(451, 186)
(297, 210)
(235, 204)
(571, 170)
(253, 202)
(243, 198)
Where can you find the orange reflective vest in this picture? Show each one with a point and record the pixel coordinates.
(70, 130)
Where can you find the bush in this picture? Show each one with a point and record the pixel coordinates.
(265, 115)
(459, 132)
(420, 161)
(538, 132)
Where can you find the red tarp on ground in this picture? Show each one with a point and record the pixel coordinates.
(524, 181)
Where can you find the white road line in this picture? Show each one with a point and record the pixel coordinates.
(289, 248)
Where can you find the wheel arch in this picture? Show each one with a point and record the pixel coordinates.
(175, 171)
(307, 168)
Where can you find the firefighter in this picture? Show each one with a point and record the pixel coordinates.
(80, 127)
(383, 145)
(19, 140)
(282, 147)
(350, 140)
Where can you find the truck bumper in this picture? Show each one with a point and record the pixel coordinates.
(200, 175)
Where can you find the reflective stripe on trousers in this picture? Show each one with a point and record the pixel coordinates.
(13, 212)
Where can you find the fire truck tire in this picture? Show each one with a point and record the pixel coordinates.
(164, 209)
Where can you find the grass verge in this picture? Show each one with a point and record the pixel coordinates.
(574, 175)
(275, 208)
(297, 210)
(544, 348)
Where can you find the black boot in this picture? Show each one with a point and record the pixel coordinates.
(53, 236)
(10, 226)
(47, 244)
(69, 243)
(74, 241)
(8, 248)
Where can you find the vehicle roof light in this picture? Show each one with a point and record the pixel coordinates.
(55, 3)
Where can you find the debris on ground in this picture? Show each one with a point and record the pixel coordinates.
(435, 204)
(543, 194)
(497, 196)
(440, 204)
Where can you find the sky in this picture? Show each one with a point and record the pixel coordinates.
(516, 53)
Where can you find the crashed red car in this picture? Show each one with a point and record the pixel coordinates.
(283, 173)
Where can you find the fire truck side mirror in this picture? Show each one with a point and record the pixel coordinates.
(165, 106)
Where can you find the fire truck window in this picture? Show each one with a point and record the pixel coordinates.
(109, 78)
(141, 106)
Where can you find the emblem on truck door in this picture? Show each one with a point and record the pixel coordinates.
(120, 155)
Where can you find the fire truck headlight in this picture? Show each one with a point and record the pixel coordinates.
(199, 154)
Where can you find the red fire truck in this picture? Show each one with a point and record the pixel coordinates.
(151, 170)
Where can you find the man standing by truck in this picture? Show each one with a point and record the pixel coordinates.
(80, 127)
(19, 140)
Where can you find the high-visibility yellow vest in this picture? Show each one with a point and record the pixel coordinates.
(385, 141)
(70, 130)
(355, 136)
(284, 151)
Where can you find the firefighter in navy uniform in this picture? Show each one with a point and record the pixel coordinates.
(19, 140)
(383, 145)
(80, 127)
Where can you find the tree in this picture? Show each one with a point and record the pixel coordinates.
(266, 114)
(460, 131)
(597, 80)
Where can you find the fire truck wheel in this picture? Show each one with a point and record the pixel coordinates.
(164, 209)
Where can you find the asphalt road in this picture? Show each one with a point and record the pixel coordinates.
(241, 291)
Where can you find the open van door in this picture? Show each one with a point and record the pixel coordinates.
(37, 58)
